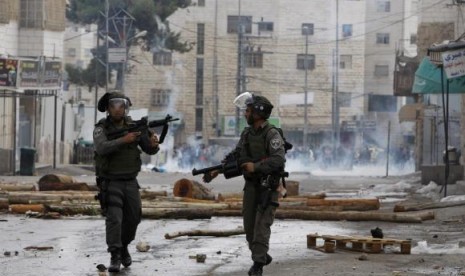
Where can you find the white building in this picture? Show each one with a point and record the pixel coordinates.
(31, 32)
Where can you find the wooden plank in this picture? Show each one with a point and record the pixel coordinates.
(355, 243)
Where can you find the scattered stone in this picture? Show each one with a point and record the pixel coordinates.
(363, 257)
(101, 267)
(142, 247)
(461, 244)
(436, 266)
(7, 253)
(377, 233)
(421, 260)
(16, 253)
(218, 252)
(435, 236)
(200, 258)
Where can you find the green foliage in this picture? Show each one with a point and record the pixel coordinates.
(148, 14)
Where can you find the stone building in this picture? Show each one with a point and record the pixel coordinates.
(31, 32)
(278, 40)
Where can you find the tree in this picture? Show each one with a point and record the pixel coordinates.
(149, 15)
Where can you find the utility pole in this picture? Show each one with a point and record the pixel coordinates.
(215, 75)
(96, 77)
(304, 143)
(336, 129)
(240, 83)
(125, 46)
(107, 11)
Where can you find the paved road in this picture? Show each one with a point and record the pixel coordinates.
(79, 246)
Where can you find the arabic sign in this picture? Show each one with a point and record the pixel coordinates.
(8, 69)
(29, 73)
(52, 74)
(454, 63)
(117, 55)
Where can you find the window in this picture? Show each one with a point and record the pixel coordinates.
(382, 38)
(346, 30)
(87, 52)
(199, 83)
(198, 119)
(345, 62)
(344, 99)
(71, 52)
(381, 70)
(305, 63)
(382, 103)
(383, 6)
(201, 3)
(160, 97)
(162, 58)
(200, 38)
(233, 23)
(413, 39)
(265, 26)
(307, 29)
(254, 59)
(31, 14)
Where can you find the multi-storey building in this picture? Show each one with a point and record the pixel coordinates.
(354, 99)
(32, 38)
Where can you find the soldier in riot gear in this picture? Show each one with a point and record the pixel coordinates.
(117, 164)
(259, 141)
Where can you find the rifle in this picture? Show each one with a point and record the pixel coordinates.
(229, 168)
(143, 125)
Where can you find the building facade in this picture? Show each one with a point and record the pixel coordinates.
(280, 50)
(32, 38)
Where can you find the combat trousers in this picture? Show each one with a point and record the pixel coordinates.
(257, 224)
(123, 212)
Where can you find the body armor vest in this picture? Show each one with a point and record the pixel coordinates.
(254, 149)
(125, 162)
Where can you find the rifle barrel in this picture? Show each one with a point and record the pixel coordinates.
(157, 123)
(205, 170)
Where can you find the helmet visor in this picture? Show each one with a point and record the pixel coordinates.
(118, 103)
(243, 100)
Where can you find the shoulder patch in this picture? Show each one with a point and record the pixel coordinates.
(276, 142)
(98, 131)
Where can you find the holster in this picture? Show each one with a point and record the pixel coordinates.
(269, 184)
(102, 185)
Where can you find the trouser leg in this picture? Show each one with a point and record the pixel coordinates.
(249, 210)
(131, 212)
(114, 217)
(262, 233)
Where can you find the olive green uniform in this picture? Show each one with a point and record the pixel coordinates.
(118, 164)
(266, 145)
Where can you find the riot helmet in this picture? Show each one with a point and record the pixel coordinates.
(114, 99)
(260, 104)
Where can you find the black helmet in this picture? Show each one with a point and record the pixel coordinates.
(260, 105)
(104, 100)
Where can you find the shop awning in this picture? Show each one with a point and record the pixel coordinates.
(428, 80)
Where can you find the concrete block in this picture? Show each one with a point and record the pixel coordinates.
(436, 173)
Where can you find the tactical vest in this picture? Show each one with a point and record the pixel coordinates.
(122, 163)
(255, 144)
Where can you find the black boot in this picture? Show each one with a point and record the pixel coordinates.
(256, 269)
(125, 257)
(269, 259)
(115, 261)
